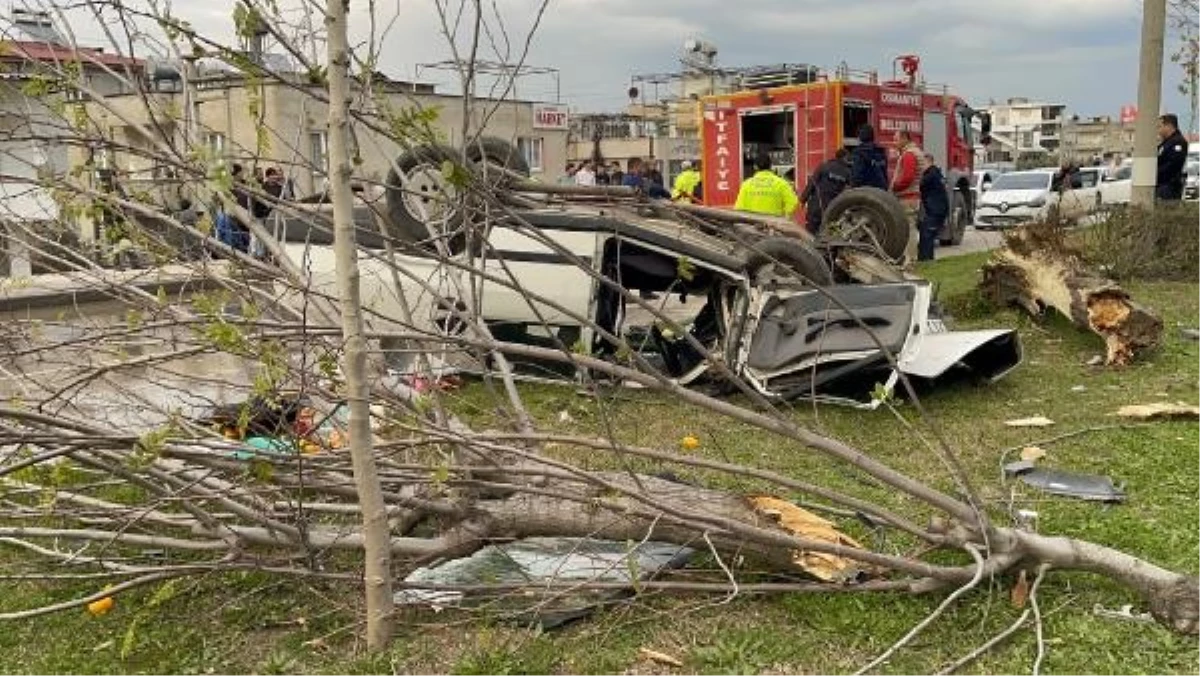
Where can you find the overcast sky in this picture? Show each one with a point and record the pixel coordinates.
(1083, 53)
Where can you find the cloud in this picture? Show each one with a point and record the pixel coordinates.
(1079, 52)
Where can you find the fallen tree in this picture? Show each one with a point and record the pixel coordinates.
(101, 474)
(510, 488)
(1036, 269)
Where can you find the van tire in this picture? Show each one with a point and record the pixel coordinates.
(497, 151)
(422, 166)
(796, 256)
(886, 220)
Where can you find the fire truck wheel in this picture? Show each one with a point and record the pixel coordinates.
(868, 215)
(786, 257)
(956, 226)
(496, 151)
(422, 205)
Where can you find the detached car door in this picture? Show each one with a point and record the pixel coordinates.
(849, 343)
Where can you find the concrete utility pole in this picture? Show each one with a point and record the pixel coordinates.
(1145, 139)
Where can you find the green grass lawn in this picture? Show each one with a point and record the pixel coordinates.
(251, 622)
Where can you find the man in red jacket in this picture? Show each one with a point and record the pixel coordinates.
(906, 185)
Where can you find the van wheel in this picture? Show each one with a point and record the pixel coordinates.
(871, 216)
(489, 150)
(786, 258)
(423, 206)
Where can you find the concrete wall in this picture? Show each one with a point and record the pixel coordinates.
(28, 152)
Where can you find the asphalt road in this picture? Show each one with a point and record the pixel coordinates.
(973, 240)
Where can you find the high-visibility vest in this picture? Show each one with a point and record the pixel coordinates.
(685, 185)
(768, 194)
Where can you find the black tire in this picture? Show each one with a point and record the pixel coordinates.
(868, 215)
(422, 165)
(797, 257)
(957, 223)
(499, 152)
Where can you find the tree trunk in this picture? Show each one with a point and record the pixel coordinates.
(376, 540)
(701, 517)
(1035, 271)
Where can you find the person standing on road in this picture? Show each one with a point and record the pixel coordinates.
(633, 174)
(868, 161)
(235, 233)
(568, 176)
(935, 207)
(686, 183)
(826, 183)
(639, 178)
(654, 184)
(1172, 158)
(615, 175)
(586, 176)
(765, 192)
(906, 186)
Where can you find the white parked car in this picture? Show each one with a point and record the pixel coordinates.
(1023, 196)
(1191, 181)
(981, 182)
(1117, 187)
(1086, 192)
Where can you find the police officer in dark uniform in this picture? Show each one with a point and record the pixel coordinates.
(1172, 156)
(868, 162)
(826, 183)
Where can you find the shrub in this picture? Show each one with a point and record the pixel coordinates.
(1131, 243)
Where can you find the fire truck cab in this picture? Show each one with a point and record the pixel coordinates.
(802, 115)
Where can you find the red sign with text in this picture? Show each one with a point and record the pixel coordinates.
(899, 111)
(722, 155)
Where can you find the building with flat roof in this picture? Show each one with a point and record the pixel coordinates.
(1021, 126)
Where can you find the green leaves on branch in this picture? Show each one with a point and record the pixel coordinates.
(247, 20)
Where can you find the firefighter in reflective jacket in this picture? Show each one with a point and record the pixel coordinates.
(765, 192)
(686, 184)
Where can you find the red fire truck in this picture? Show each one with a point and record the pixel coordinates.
(802, 122)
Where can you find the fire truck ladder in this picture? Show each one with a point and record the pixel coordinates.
(816, 125)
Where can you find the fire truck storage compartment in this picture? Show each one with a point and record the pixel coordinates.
(854, 115)
(772, 129)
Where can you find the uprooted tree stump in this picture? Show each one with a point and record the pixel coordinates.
(1036, 269)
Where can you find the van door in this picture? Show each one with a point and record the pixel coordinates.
(800, 342)
(521, 260)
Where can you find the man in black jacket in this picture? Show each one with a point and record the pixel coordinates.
(935, 207)
(1172, 156)
(826, 183)
(868, 161)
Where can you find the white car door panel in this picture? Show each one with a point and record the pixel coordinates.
(542, 270)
